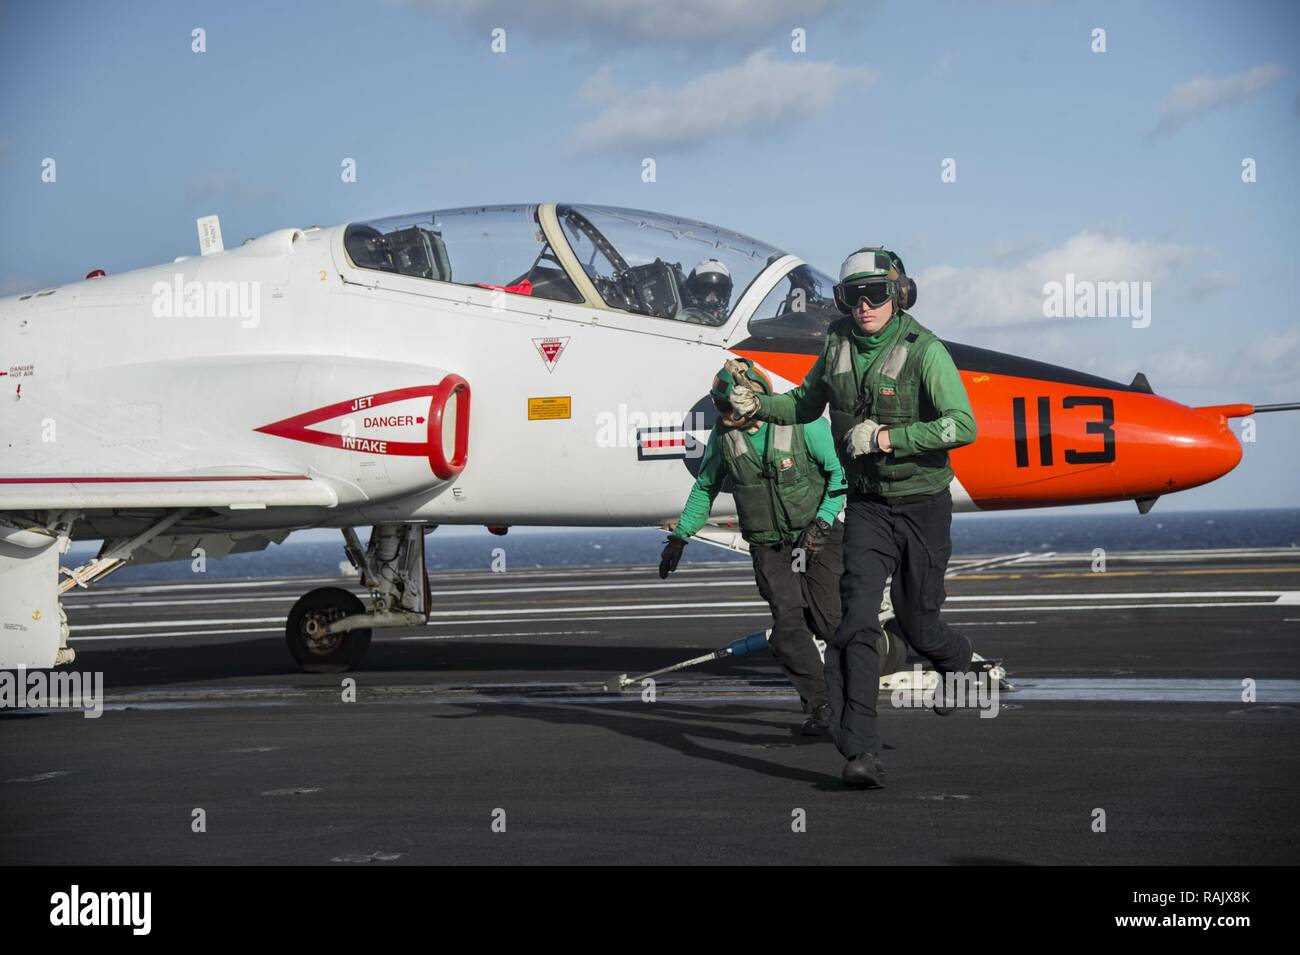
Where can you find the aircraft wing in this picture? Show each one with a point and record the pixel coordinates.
(247, 489)
(724, 533)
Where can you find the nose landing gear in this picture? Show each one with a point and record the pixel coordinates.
(328, 630)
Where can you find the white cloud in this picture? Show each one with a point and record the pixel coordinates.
(1271, 363)
(1197, 96)
(1184, 355)
(1182, 367)
(1256, 369)
(990, 296)
(1209, 284)
(600, 87)
(762, 93)
(1056, 345)
(1277, 353)
(646, 22)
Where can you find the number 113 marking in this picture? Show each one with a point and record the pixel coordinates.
(1103, 426)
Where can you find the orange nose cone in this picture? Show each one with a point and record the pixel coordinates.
(1178, 448)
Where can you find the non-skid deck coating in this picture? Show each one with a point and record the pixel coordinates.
(1133, 697)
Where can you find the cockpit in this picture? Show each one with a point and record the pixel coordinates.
(501, 247)
(640, 262)
(800, 305)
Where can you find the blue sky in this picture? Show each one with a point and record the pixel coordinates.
(1122, 165)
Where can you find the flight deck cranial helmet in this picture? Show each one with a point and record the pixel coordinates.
(876, 274)
(709, 287)
(724, 381)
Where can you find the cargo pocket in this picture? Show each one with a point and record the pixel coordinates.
(932, 592)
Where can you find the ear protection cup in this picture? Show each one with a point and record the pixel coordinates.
(907, 293)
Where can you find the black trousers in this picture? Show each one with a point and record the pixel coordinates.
(913, 542)
(803, 604)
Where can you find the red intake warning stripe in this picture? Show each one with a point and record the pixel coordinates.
(296, 428)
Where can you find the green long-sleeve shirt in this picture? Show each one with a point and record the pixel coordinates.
(713, 471)
(940, 380)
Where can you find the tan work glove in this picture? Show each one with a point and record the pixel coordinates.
(742, 396)
(862, 438)
(744, 400)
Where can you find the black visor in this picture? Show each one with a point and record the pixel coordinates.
(876, 291)
(713, 288)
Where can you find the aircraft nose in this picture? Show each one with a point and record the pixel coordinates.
(1180, 448)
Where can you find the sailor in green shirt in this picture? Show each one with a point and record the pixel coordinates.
(897, 405)
(789, 490)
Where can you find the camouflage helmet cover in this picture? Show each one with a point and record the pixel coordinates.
(724, 381)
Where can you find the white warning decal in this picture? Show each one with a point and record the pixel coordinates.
(550, 349)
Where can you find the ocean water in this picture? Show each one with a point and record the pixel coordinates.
(541, 547)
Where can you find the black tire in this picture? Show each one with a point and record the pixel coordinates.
(895, 655)
(330, 654)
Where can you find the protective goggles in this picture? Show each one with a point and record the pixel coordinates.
(876, 291)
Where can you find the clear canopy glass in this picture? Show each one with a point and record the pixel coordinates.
(644, 262)
(499, 247)
(651, 263)
(801, 305)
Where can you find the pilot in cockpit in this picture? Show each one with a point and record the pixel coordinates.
(707, 293)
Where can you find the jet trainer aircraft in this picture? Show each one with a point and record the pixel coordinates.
(498, 365)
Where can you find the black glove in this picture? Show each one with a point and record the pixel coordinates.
(671, 555)
(813, 537)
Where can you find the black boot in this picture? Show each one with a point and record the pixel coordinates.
(864, 772)
(945, 703)
(818, 722)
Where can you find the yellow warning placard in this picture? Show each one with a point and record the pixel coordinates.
(545, 409)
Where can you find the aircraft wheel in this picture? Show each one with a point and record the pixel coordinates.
(325, 653)
(895, 656)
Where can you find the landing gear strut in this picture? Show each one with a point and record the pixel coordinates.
(329, 629)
